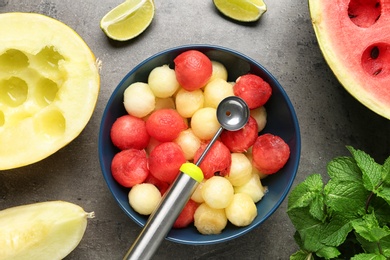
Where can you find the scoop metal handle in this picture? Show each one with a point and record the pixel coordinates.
(172, 203)
(162, 219)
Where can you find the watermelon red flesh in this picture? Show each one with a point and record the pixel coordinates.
(354, 37)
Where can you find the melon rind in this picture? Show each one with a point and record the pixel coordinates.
(34, 130)
(342, 44)
(44, 230)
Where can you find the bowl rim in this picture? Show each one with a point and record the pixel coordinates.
(181, 48)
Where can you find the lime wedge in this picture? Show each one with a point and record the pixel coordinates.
(241, 10)
(128, 20)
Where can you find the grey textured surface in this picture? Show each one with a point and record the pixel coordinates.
(283, 41)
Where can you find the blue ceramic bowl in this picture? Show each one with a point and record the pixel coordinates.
(281, 120)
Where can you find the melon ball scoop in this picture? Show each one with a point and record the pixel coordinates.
(232, 114)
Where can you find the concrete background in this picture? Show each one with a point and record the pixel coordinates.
(283, 41)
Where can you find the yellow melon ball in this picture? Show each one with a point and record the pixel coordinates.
(188, 102)
(253, 188)
(240, 170)
(219, 71)
(197, 194)
(204, 123)
(217, 192)
(209, 221)
(139, 99)
(242, 210)
(162, 81)
(215, 91)
(188, 142)
(144, 198)
(260, 115)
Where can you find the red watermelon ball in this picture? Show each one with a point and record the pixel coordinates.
(165, 161)
(165, 125)
(186, 216)
(129, 132)
(193, 69)
(270, 153)
(239, 141)
(216, 162)
(161, 185)
(253, 90)
(130, 167)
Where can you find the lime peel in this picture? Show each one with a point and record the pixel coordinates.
(128, 20)
(241, 10)
(128, 12)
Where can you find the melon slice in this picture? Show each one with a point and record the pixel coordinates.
(45, 230)
(354, 37)
(49, 84)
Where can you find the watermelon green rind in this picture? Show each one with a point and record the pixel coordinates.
(343, 43)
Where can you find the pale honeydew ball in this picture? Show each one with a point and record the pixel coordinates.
(189, 143)
(188, 102)
(240, 170)
(197, 194)
(144, 198)
(215, 91)
(162, 81)
(217, 192)
(242, 210)
(209, 221)
(139, 99)
(249, 155)
(219, 71)
(260, 115)
(163, 103)
(204, 123)
(253, 188)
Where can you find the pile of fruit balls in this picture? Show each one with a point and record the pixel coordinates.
(170, 121)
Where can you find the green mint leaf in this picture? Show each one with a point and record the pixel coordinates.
(298, 239)
(348, 198)
(382, 247)
(383, 190)
(304, 193)
(382, 210)
(368, 257)
(317, 208)
(344, 169)
(347, 218)
(369, 229)
(328, 252)
(308, 227)
(384, 193)
(386, 171)
(302, 255)
(336, 230)
(374, 247)
(372, 171)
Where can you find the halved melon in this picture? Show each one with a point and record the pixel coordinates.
(354, 37)
(45, 230)
(49, 85)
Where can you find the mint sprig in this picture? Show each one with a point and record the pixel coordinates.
(349, 216)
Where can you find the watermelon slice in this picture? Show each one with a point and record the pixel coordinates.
(354, 37)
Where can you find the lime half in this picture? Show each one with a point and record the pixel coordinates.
(241, 10)
(128, 19)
